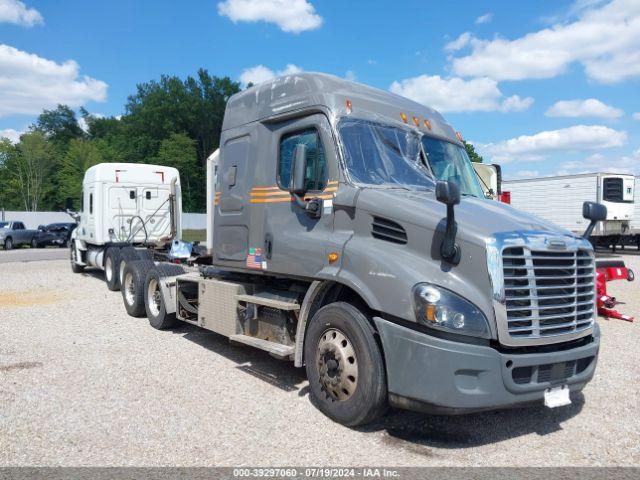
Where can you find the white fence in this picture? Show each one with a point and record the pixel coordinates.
(190, 221)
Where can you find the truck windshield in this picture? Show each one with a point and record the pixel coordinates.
(383, 155)
(449, 161)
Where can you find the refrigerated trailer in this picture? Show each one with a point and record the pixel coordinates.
(351, 236)
(559, 200)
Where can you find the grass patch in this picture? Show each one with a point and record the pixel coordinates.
(194, 235)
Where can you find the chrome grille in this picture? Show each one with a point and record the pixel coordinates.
(548, 293)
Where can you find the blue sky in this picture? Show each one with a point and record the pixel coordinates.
(540, 87)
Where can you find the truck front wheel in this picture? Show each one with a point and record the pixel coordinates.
(344, 365)
(73, 254)
(111, 262)
(134, 275)
(8, 243)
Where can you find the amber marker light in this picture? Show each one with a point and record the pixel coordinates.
(427, 124)
(403, 116)
(333, 257)
(349, 105)
(430, 312)
(416, 122)
(459, 135)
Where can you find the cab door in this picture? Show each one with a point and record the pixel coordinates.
(293, 242)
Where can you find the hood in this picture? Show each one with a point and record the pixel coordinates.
(477, 219)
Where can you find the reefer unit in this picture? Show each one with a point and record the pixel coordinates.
(559, 200)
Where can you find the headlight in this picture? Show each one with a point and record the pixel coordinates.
(441, 309)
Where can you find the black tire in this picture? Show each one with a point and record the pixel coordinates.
(144, 254)
(8, 243)
(34, 243)
(127, 254)
(111, 273)
(153, 299)
(135, 274)
(75, 268)
(346, 373)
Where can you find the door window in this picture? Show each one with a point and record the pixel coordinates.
(316, 174)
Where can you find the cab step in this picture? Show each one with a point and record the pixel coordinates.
(276, 349)
(269, 302)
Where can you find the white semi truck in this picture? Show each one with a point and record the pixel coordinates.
(559, 200)
(126, 210)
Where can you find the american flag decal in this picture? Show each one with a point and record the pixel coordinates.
(254, 259)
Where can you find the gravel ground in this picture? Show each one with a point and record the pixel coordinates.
(83, 384)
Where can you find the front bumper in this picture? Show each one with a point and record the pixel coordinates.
(441, 376)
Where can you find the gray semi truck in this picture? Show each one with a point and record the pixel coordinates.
(352, 237)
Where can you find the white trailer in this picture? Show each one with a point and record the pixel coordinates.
(124, 206)
(559, 199)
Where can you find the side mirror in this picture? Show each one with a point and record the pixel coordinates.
(298, 185)
(68, 203)
(595, 212)
(449, 194)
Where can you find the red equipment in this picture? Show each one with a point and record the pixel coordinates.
(606, 271)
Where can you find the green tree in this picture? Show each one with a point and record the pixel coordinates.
(179, 151)
(30, 167)
(60, 126)
(10, 197)
(81, 155)
(194, 106)
(471, 151)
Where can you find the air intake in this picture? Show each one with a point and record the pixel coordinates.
(387, 230)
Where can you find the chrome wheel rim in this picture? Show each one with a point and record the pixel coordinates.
(154, 299)
(108, 269)
(337, 365)
(129, 289)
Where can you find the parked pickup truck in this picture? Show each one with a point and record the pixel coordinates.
(14, 234)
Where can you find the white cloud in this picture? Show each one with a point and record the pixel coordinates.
(29, 83)
(350, 75)
(459, 95)
(486, 18)
(605, 39)
(600, 163)
(82, 123)
(459, 43)
(590, 107)
(261, 74)
(12, 134)
(293, 16)
(15, 11)
(636, 116)
(571, 139)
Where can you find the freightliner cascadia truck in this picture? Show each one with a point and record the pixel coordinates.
(352, 237)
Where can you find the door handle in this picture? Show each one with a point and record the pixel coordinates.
(231, 176)
(268, 246)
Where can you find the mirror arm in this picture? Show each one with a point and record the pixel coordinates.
(587, 233)
(449, 249)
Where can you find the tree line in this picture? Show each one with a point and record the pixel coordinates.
(171, 121)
